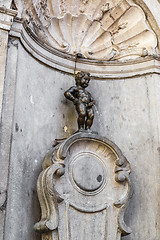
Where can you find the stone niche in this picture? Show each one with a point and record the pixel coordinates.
(120, 51)
(100, 30)
(83, 190)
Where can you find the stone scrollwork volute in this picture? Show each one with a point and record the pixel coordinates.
(101, 30)
(84, 190)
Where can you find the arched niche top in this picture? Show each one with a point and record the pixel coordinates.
(126, 66)
(99, 30)
(99, 69)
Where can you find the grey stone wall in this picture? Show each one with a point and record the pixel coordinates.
(35, 112)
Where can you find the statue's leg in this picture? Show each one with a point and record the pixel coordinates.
(90, 117)
(81, 110)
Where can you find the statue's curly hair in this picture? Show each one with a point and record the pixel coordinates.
(79, 76)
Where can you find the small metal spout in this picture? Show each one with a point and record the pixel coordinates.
(79, 55)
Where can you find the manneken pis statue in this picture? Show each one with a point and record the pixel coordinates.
(82, 100)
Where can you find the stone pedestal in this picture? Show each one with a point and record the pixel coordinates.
(84, 190)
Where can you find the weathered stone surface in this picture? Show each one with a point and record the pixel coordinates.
(35, 125)
(134, 105)
(84, 192)
(5, 3)
(96, 29)
(3, 52)
(6, 127)
(126, 112)
(6, 20)
(88, 173)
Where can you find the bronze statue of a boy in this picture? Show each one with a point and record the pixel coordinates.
(82, 100)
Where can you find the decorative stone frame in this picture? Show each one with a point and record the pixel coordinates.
(63, 190)
(100, 69)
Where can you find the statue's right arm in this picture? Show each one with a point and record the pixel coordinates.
(69, 94)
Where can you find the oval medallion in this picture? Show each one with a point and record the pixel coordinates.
(88, 172)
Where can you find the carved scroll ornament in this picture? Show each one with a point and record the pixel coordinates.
(98, 29)
(84, 190)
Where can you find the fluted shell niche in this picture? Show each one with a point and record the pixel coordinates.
(98, 29)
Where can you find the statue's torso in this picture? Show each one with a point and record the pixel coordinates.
(83, 95)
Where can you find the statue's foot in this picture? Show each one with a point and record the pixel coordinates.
(81, 130)
(88, 130)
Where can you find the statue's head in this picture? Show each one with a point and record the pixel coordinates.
(82, 79)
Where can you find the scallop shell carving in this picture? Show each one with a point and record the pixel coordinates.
(98, 29)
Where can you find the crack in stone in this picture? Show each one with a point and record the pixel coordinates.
(3, 207)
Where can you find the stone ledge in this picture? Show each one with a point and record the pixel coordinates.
(6, 18)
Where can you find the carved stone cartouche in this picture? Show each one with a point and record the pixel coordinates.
(84, 190)
(82, 100)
